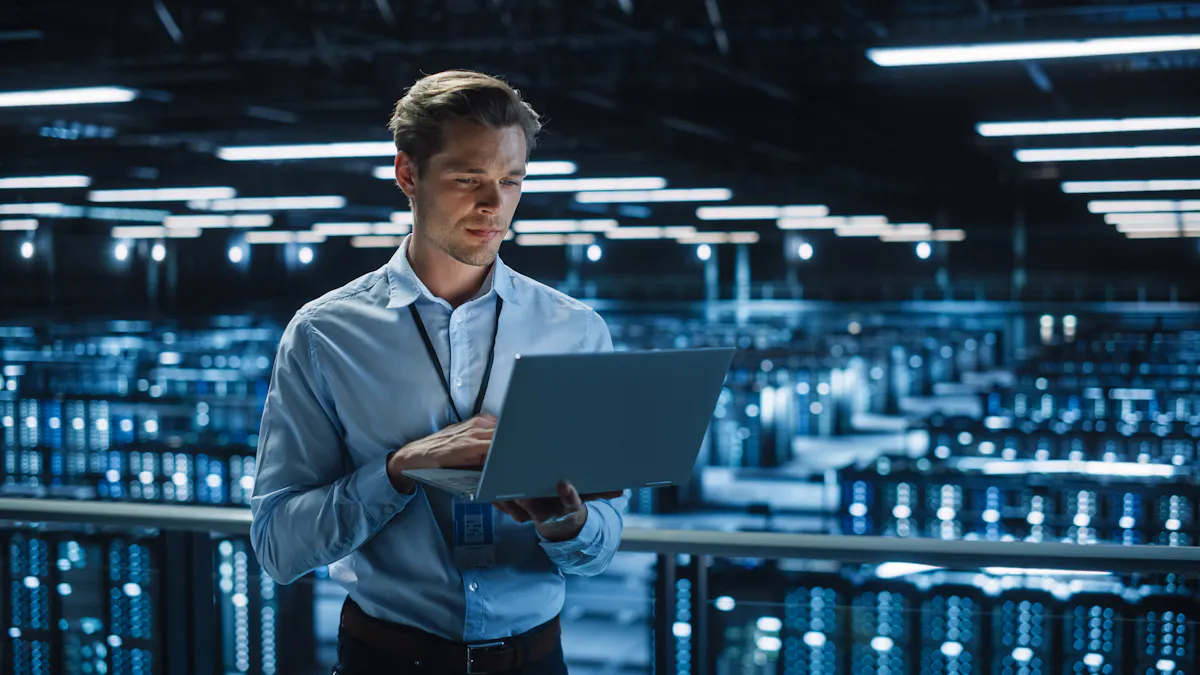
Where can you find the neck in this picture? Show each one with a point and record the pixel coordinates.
(447, 278)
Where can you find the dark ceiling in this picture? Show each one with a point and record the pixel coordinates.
(775, 100)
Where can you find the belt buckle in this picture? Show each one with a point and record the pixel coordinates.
(484, 647)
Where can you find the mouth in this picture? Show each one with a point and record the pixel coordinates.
(484, 235)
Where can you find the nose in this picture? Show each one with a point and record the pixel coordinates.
(488, 199)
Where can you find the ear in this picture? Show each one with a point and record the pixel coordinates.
(406, 174)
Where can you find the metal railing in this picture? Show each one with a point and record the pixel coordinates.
(681, 554)
(769, 545)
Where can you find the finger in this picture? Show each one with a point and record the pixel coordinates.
(569, 496)
(503, 507)
(542, 508)
(518, 512)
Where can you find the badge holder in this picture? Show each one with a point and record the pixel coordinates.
(474, 536)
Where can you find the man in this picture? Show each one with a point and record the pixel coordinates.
(405, 368)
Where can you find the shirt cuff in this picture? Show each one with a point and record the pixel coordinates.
(376, 493)
(586, 543)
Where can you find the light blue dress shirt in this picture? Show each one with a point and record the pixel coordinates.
(353, 382)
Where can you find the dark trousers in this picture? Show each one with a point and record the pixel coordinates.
(358, 658)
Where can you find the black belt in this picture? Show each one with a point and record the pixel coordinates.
(444, 656)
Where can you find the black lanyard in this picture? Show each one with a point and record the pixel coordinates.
(437, 364)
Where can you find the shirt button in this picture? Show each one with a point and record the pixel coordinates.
(458, 319)
(474, 587)
(458, 381)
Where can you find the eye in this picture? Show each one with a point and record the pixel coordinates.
(512, 182)
(465, 181)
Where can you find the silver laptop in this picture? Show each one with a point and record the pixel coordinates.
(606, 422)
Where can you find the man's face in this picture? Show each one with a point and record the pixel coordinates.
(465, 196)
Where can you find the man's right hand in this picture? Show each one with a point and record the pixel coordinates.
(464, 444)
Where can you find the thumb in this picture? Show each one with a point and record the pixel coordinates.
(569, 496)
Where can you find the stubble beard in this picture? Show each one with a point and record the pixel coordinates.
(474, 257)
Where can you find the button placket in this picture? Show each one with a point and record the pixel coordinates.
(460, 343)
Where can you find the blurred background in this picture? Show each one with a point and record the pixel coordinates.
(955, 241)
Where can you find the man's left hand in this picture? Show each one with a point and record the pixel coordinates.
(556, 518)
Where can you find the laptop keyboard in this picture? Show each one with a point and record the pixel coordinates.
(456, 478)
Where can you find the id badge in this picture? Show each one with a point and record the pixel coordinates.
(474, 538)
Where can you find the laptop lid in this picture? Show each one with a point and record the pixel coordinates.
(605, 421)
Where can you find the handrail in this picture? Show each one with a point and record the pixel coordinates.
(770, 545)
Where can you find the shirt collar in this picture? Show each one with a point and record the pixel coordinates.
(404, 286)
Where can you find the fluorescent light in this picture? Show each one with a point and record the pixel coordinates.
(358, 229)
(76, 96)
(391, 228)
(135, 215)
(20, 225)
(401, 217)
(556, 168)
(162, 194)
(283, 237)
(1151, 234)
(32, 209)
(1098, 186)
(670, 232)
(1142, 205)
(668, 195)
(555, 239)
(240, 220)
(1095, 154)
(829, 223)
(343, 229)
(252, 153)
(721, 238)
(553, 168)
(1025, 51)
(139, 232)
(270, 203)
(32, 182)
(1151, 218)
(949, 235)
(909, 230)
(593, 184)
(1147, 227)
(760, 212)
(154, 232)
(563, 226)
(861, 230)
(1047, 128)
(375, 242)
